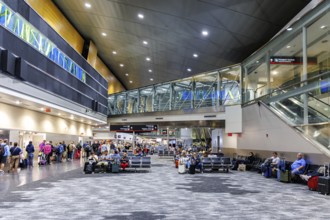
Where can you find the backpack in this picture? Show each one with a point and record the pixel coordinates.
(47, 149)
(70, 147)
(88, 148)
(60, 149)
(2, 150)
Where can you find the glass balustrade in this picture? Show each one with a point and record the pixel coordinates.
(213, 89)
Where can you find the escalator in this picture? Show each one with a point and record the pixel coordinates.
(312, 121)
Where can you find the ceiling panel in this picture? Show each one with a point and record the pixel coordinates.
(173, 30)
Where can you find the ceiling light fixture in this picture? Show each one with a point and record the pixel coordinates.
(130, 81)
(148, 59)
(141, 16)
(150, 71)
(151, 79)
(288, 46)
(18, 102)
(145, 42)
(114, 52)
(274, 72)
(205, 33)
(59, 114)
(289, 29)
(323, 26)
(42, 109)
(126, 74)
(195, 55)
(88, 5)
(189, 70)
(121, 65)
(104, 34)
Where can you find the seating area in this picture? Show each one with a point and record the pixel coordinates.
(135, 163)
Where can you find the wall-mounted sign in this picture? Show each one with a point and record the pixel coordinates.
(292, 60)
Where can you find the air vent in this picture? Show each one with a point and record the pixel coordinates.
(159, 118)
(210, 116)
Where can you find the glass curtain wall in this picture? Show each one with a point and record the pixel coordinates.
(212, 89)
(28, 33)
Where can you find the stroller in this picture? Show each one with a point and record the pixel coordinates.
(41, 159)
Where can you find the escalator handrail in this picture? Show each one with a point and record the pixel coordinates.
(299, 103)
(319, 100)
(298, 83)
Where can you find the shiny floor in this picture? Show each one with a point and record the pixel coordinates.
(62, 191)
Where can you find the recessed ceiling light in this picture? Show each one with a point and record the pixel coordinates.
(288, 46)
(195, 55)
(126, 74)
(88, 5)
(42, 109)
(323, 26)
(121, 65)
(150, 71)
(205, 33)
(151, 79)
(141, 16)
(289, 29)
(18, 102)
(104, 34)
(59, 114)
(274, 72)
(189, 70)
(114, 52)
(148, 59)
(145, 42)
(130, 81)
(82, 120)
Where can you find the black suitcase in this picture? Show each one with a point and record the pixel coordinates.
(192, 169)
(324, 182)
(109, 168)
(89, 168)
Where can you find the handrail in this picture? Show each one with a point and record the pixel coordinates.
(299, 83)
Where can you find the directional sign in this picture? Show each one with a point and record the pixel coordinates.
(131, 128)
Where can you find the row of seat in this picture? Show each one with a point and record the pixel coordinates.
(167, 153)
(215, 163)
(139, 162)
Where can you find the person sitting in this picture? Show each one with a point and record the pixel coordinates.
(184, 159)
(124, 162)
(247, 160)
(270, 162)
(93, 159)
(298, 166)
(102, 161)
(115, 157)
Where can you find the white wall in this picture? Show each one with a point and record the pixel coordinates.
(233, 119)
(17, 118)
(263, 130)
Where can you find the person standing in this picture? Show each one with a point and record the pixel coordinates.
(60, 151)
(4, 154)
(48, 152)
(15, 152)
(30, 150)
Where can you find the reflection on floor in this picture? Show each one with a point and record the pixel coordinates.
(61, 191)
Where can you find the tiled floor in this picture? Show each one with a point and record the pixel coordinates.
(61, 191)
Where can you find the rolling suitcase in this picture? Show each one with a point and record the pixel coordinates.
(268, 172)
(182, 168)
(324, 182)
(192, 169)
(312, 183)
(114, 168)
(285, 176)
(109, 167)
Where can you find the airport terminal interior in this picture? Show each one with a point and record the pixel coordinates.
(154, 109)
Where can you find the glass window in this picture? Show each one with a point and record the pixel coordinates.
(146, 99)
(254, 79)
(183, 94)
(206, 89)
